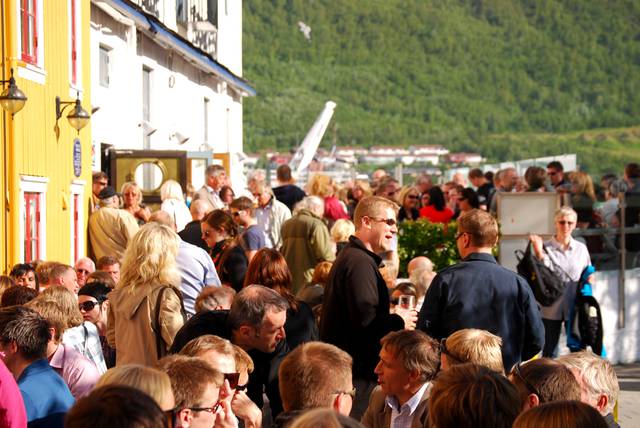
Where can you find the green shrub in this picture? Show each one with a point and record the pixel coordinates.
(423, 238)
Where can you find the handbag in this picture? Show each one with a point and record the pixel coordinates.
(161, 349)
(547, 285)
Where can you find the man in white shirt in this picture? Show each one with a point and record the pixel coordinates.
(215, 178)
(270, 214)
(408, 361)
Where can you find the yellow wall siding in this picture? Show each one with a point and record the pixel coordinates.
(35, 151)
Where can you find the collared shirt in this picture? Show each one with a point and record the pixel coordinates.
(403, 417)
(78, 372)
(214, 198)
(196, 272)
(263, 215)
(86, 340)
(46, 397)
(569, 264)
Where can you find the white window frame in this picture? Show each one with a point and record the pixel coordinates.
(76, 188)
(32, 184)
(76, 87)
(36, 73)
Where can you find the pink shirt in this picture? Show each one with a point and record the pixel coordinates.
(78, 372)
(12, 413)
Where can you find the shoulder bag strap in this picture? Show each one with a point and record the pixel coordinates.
(159, 342)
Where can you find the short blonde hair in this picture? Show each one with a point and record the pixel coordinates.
(243, 360)
(67, 301)
(597, 376)
(565, 212)
(207, 342)
(53, 313)
(321, 185)
(342, 229)
(472, 345)
(152, 382)
(132, 185)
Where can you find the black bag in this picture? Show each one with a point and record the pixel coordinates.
(161, 348)
(547, 285)
(587, 321)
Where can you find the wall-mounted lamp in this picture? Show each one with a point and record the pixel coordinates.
(12, 99)
(78, 117)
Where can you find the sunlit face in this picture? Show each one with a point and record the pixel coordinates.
(114, 271)
(27, 280)
(411, 200)
(97, 186)
(83, 269)
(211, 235)
(555, 176)
(357, 193)
(70, 281)
(227, 196)
(392, 377)
(271, 332)
(565, 226)
(382, 232)
(131, 196)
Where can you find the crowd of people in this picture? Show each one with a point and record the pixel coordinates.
(282, 307)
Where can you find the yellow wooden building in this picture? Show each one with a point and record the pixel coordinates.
(45, 169)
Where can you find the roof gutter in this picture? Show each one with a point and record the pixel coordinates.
(157, 30)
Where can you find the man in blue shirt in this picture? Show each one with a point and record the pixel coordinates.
(24, 335)
(479, 293)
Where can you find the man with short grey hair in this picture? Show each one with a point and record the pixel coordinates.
(215, 178)
(306, 241)
(84, 266)
(110, 228)
(255, 323)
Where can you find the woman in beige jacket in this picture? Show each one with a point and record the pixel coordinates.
(145, 310)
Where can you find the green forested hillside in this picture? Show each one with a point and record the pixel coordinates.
(504, 78)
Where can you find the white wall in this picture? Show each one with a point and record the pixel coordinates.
(229, 51)
(178, 90)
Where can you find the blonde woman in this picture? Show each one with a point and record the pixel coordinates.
(323, 187)
(132, 197)
(146, 307)
(153, 382)
(408, 199)
(583, 196)
(341, 231)
(173, 204)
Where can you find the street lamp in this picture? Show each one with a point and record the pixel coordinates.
(12, 99)
(78, 117)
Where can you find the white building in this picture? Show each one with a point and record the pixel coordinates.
(167, 75)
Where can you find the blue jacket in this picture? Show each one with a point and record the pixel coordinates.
(46, 397)
(479, 293)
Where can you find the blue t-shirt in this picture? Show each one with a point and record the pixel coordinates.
(253, 238)
(46, 397)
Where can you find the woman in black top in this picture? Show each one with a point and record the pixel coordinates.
(408, 199)
(220, 233)
(269, 268)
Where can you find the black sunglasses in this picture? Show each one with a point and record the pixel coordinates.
(233, 379)
(88, 305)
(515, 371)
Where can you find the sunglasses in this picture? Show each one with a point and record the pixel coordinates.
(515, 371)
(388, 221)
(413, 197)
(88, 305)
(564, 222)
(232, 378)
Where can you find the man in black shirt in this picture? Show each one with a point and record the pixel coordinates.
(287, 192)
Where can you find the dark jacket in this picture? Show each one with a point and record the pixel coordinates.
(289, 194)
(231, 263)
(378, 413)
(479, 293)
(265, 374)
(355, 314)
(300, 326)
(192, 233)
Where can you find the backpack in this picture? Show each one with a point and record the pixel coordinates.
(587, 320)
(547, 285)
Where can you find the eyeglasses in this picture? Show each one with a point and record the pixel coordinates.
(83, 271)
(235, 213)
(389, 221)
(564, 222)
(515, 371)
(213, 409)
(351, 393)
(101, 183)
(459, 234)
(551, 173)
(413, 197)
(444, 350)
(232, 378)
(88, 305)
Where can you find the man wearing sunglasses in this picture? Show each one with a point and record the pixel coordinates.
(356, 312)
(479, 293)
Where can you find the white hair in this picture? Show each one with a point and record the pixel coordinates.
(314, 204)
(171, 189)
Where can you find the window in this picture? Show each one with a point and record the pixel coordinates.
(75, 45)
(104, 66)
(29, 31)
(212, 12)
(181, 10)
(32, 236)
(32, 226)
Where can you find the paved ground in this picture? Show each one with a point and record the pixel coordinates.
(629, 400)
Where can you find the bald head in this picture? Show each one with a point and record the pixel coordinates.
(164, 219)
(419, 262)
(199, 209)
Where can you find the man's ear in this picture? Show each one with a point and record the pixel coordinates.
(245, 331)
(603, 402)
(533, 400)
(184, 416)
(52, 333)
(105, 305)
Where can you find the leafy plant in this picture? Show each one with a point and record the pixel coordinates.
(436, 241)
